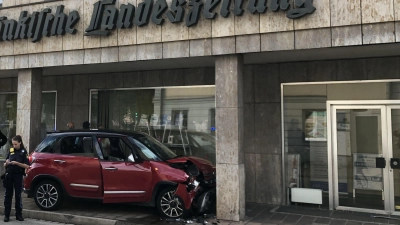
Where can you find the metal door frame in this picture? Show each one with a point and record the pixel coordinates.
(385, 107)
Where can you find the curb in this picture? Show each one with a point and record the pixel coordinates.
(64, 218)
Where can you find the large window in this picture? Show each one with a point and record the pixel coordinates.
(8, 116)
(306, 137)
(181, 118)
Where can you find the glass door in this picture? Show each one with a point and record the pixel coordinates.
(394, 154)
(359, 153)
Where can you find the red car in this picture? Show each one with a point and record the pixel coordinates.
(118, 167)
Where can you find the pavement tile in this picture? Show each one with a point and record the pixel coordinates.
(321, 220)
(277, 218)
(291, 219)
(354, 223)
(338, 222)
(262, 218)
(306, 220)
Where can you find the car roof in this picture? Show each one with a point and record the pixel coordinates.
(95, 131)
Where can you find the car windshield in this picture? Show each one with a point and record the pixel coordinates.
(152, 149)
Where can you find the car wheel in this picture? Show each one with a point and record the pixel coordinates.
(170, 205)
(48, 195)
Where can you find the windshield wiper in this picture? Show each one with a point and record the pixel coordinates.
(177, 156)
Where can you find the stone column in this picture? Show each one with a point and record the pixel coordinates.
(229, 132)
(29, 108)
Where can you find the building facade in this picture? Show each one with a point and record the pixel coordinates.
(290, 99)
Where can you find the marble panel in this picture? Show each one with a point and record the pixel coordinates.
(319, 19)
(376, 11)
(92, 56)
(396, 4)
(345, 36)
(29, 84)
(74, 57)
(64, 116)
(345, 13)
(152, 78)
(202, 29)
(53, 59)
(378, 33)
(109, 54)
(7, 62)
(248, 84)
(115, 80)
(275, 21)
(38, 46)
(247, 23)
(223, 46)
(79, 114)
(21, 2)
(293, 72)
(201, 47)
(229, 81)
(229, 132)
(150, 33)
(249, 131)
(231, 192)
(178, 49)
(80, 95)
(8, 3)
(36, 60)
(269, 179)
(49, 83)
(223, 27)
(266, 83)
(149, 51)
(110, 40)
(352, 69)
(250, 172)
(397, 29)
(89, 41)
(21, 61)
(195, 76)
(21, 45)
(127, 36)
(97, 81)
(277, 41)
(268, 128)
(382, 68)
(173, 77)
(5, 85)
(14, 84)
(64, 91)
(133, 79)
(174, 31)
(75, 41)
(315, 38)
(127, 53)
(248, 43)
(53, 43)
(322, 71)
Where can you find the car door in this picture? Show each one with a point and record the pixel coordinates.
(124, 180)
(78, 166)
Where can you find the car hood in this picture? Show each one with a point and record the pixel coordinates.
(205, 166)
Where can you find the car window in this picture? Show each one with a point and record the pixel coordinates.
(47, 145)
(76, 145)
(162, 151)
(148, 154)
(115, 149)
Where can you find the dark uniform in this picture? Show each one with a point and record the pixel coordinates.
(14, 179)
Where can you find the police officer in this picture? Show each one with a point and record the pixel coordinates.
(16, 163)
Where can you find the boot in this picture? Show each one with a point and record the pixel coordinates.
(6, 218)
(19, 217)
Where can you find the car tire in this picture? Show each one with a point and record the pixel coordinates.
(169, 205)
(48, 195)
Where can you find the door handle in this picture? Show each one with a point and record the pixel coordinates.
(111, 168)
(59, 161)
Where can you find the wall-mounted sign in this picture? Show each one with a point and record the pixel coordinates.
(107, 17)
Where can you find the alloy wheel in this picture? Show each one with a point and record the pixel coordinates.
(171, 205)
(47, 195)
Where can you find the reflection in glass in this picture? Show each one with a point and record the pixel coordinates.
(8, 119)
(396, 155)
(181, 118)
(359, 143)
(48, 121)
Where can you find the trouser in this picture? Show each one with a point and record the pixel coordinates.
(14, 181)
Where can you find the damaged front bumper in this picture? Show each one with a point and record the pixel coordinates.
(196, 200)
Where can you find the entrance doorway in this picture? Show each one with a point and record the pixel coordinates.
(364, 156)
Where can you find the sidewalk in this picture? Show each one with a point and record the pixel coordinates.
(83, 212)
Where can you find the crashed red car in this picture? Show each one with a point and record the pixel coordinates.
(118, 167)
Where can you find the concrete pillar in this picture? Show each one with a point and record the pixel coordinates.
(29, 107)
(229, 132)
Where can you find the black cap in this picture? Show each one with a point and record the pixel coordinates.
(86, 125)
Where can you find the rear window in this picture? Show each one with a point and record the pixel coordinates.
(47, 145)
